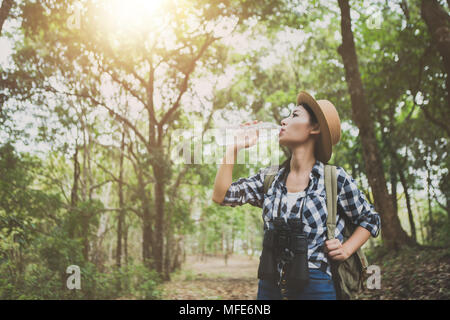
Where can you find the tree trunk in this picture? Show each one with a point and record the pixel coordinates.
(159, 172)
(125, 242)
(147, 233)
(393, 234)
(408, 205)
(422, 233)
(4, 12)
(438, 23)
(396, 169)
(168, 250)
(85, 234)
(225, 244)
(178, 254)
(233, 234)
(121, 205)
(148, 243)
(158, 255)
(74, 194)
(252, 244)
(394, 187)
(430, 210)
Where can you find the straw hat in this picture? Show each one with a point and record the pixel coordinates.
(329, 122)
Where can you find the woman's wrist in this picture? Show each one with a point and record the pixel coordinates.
(348, 250)
(356, 240)
(231, 154)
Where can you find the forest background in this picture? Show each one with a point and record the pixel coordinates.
(108, 158)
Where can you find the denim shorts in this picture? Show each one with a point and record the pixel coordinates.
(320, 287)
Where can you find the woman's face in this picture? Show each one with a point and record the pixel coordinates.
(297, 128)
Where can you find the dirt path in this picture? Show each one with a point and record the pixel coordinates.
(212, 279)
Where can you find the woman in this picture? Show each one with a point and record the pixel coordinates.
(309, 132)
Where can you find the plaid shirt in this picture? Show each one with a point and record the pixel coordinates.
(351, 203)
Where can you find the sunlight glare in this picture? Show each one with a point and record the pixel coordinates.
(132, 15)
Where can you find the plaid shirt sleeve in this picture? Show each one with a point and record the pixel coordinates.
(246, 190)
(355, 205)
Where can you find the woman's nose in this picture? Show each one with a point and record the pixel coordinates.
(283, 123)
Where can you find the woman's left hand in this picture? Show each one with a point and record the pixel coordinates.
(335, 250)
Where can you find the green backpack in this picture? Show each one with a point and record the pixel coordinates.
(349, 275)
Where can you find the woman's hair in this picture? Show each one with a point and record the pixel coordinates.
(312, 116)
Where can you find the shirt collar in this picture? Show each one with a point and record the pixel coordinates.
(318, 169)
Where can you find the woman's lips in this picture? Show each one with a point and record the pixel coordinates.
(281, 131)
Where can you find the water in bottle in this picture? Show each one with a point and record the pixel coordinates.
(228, 134)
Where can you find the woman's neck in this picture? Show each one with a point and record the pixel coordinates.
(302, 160)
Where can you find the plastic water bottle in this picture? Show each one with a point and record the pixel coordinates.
(227, 134)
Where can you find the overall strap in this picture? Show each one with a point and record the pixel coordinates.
(331, 190)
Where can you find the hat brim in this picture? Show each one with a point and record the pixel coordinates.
(323, 146)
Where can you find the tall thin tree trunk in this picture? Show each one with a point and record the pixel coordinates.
(366, 190)
(85, 234)
(168, 250)
(233, 235)
(74, 193)
(408, 205)
(393, 234)
(121, 204)
(125, 242)
(422, 233)
(158, 254)
(430, 210)
(438, 23)
(394, 188)
(225, 246)
(159, 227)
(147, 233)
(85, 193)
(397, 169)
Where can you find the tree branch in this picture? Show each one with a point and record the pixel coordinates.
(111, 111)
(124, 84)
(209, 39)
(98, 185)
(111, 174)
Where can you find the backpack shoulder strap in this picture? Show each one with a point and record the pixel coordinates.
(331, 189)
(269, 177)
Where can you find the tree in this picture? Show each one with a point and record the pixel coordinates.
(5, 11)
(393, 234)
(438, 23)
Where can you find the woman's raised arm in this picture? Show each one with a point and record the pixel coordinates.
(224, 176)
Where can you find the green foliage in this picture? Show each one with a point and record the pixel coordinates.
(35, 251)
(441, 227)
(93, 105)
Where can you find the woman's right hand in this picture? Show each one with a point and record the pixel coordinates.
(249, 137)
